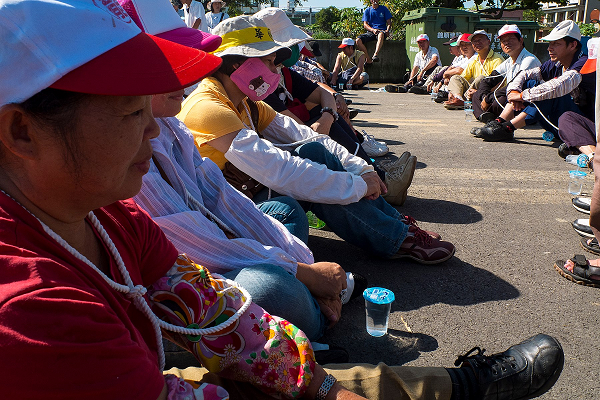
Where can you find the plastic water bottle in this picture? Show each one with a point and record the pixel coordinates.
(580, 160)
(469, 111)
(433, 96)
(313, 221)
(548, 136)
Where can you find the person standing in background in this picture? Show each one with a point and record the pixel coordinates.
(215, 15)
(194, 15)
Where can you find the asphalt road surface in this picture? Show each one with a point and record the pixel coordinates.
(506, 208)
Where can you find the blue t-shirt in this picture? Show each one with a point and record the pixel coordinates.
(376, 17)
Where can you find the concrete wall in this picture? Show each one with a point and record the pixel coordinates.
(394, 62)
(390, 69)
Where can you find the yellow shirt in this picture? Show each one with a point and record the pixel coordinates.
(475, 68)
(349, 62)
(209, 114)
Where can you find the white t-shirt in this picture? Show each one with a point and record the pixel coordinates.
(192, 13)
(422, 60)
(213, 19)
(525, 61)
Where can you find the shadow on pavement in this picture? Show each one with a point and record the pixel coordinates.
(373, 125)
(440, 211)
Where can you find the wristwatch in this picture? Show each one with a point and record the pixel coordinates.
(331, 111)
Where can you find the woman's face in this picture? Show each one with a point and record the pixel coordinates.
(217, 7)
(167, 105)
(112, 152)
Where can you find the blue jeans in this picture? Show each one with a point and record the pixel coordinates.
(285, 210)
(552, 109)
(281, 294)
(372, 225)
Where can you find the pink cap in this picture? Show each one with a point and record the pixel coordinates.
(422, 36)
(158, 18)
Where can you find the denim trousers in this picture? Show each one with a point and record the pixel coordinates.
(373, 225)
(281, 294)
(285, 210)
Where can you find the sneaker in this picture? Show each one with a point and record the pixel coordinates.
(356, 284)
(372, 147)
(408, 220)
(494, 131)
(353, 113)
(398, 182)
(418, 90)
(582, 227)
(422, 248)
(375, 58)
(392, 88)
(564, 150)
(487, 117)
(476, 131)
(522, 372)
(348, 101)
(442, 96)
(392, 165)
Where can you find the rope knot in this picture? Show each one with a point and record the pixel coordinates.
(136, 291)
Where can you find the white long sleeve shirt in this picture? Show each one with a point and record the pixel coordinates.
(260, 238)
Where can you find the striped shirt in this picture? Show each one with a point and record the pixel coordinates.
(260, 239)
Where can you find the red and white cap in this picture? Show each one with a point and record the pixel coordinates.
(346, 42)
(465, 37)
(422, 36)
(509, 29)
(88, 46)
(590, 64)
(156, 17)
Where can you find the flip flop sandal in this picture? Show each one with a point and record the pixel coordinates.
(581, 271)
(590, 245)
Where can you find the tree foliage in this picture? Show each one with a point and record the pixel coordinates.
(350, 23)
(326, 17)
(494, 9)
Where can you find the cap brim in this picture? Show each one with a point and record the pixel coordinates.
(143, 65)
(192, 38)
(589, 66)
(307, 52)
(258, 49)
(341, 46)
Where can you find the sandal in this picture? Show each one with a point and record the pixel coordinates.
(591, 245)
(581, 271)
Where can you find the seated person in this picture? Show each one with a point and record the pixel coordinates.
(462, 49)
(291, 159)
(85, 270)
(463, 86)
(377, 21)
(309, 55)
(349, 66)
(426, 60)
(544, 93)
(490, 98)
(578, 134)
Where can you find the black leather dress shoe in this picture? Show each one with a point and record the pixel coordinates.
(582, 204)
(494, 131)
(522, 372)
(582, 227)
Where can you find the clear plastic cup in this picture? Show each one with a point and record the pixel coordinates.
(469, 117)
(576, 179)
(433, 96)
(378, 303)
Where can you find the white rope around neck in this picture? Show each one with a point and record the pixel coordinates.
(136, 292)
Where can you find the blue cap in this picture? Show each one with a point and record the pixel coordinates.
(379, 295)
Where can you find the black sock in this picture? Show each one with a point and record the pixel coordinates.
(509, 126)
(464, 383)
(500, 120)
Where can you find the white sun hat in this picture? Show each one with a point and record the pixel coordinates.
(283, 29)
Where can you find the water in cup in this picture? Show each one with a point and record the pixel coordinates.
(469, 117)
(378, 302)
(576, 179)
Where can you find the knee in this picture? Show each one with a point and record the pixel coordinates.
(314, 151)
(358, 41)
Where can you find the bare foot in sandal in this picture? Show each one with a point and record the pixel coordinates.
(580, 270)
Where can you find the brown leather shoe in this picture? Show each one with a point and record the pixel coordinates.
(454, 104)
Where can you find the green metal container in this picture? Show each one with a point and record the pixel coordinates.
(440, 24)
